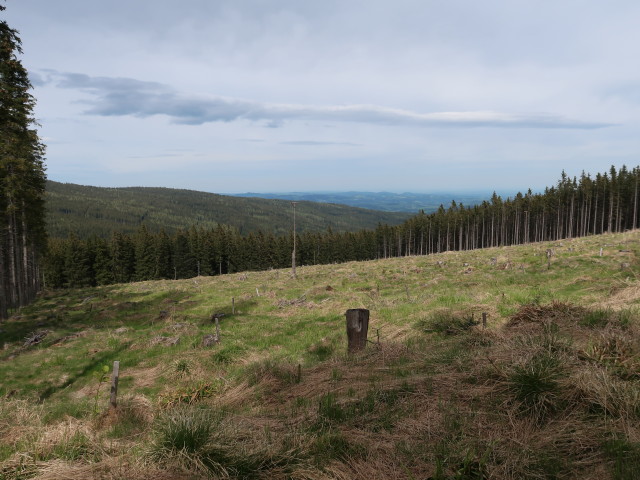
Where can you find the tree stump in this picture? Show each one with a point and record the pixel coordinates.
(209, 340)
(357, 328)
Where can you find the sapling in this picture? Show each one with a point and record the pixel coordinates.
(102, 375)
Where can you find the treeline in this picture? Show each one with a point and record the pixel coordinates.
(22, 180)
(574, 207)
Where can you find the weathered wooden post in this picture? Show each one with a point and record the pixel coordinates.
(484, 320)
(216, 318)
(233, 305)
(113, 403)
(357, 328)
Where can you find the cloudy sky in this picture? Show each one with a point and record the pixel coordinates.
(293, 95)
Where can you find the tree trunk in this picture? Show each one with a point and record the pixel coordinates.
(357, 328)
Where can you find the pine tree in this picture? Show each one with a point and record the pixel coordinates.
(146, 256)
(22, 180)
(123, 257)
(77, 263)
(102, 262)
(164, 262)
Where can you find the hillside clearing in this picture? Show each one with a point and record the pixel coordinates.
(549, 390)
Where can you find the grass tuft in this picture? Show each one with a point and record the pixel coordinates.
(447, 323)
(182, 430)
(535, 384)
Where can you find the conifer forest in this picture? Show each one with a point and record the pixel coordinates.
(574, 207)
(22, 181)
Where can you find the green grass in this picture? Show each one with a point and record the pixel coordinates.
(449, 398)
(535, 384)
(625, 458)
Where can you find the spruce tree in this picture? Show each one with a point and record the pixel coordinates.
(145, 248)
(22, 180)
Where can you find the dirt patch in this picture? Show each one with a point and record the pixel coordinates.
(144, 377)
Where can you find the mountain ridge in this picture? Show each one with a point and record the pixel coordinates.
(88, 210)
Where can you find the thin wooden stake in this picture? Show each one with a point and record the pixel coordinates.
(233, 305)
(114, 385)
(217, 329)
(299, 373)
(484, 320)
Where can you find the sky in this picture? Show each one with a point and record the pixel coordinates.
(231, 96)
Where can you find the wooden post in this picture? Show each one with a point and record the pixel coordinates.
(357, 328)
(233, 305)
(217, 329)
(114, 385)
(293, 254)
(484, 320)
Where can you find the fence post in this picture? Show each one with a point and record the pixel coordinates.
(484, 320)
(114, 384)
(357, 328)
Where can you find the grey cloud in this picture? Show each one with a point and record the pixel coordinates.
(126, 96)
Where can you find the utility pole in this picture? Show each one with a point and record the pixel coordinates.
(293, 255)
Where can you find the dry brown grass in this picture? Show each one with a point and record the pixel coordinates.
(454, 411)
(112, 468)
(413, 406)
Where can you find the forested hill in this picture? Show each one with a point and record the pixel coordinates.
(86, 210)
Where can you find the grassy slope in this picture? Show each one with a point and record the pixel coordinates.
(556, 395)
(86, 210)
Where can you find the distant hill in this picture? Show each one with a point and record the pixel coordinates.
(384, 201)
(86, 210)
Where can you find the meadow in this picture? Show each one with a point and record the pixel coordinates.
(549, 388)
